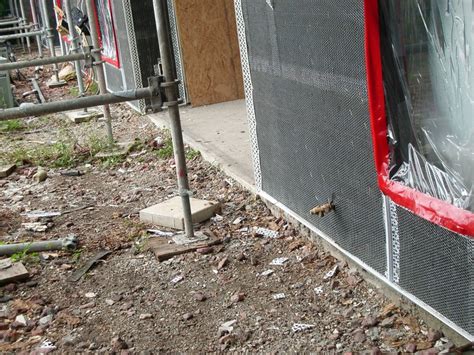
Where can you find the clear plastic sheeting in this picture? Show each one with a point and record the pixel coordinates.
(428, 61)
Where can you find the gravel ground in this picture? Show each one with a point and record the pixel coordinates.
(228, 298)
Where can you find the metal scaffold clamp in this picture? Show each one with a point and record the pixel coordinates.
(156, 100)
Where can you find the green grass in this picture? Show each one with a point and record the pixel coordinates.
(192, 153)
(166, 152)
(56, 155)
(11, 126)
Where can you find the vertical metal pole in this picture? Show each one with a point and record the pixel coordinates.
(34, 16)
(99, 66)
(11, 7)
(18, 15)
(24, 23)
(73, 37)
(50, 36)
(171, 92)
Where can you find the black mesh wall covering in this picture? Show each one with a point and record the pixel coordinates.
(308, 91)
(436, 266)
(308, 72)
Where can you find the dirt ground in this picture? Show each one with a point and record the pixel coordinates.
(220, 299)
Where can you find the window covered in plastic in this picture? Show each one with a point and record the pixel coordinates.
(428, 62)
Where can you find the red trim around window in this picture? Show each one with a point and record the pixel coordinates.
(430, 208)
(114, 62)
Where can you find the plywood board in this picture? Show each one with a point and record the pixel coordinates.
(210, 50)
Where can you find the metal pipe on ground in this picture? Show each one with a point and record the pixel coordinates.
(50, 36)
(75, 47)
(44, 61)
(96, 52)
(68, 243)
(34, 16)
(171, 93)
(27, 110)
(23, 16)
(21, 35)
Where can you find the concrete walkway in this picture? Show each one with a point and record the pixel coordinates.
(220, 132)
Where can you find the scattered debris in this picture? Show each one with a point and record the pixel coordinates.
(319, 290)
(12, 272)
(226, 327)
(199, 296)
(67, 73)
(76, 276)
(217, 218)
(268, 233)
(71, 173)
(222, 263)
(144, 316)
(279, 261)
(182, 239)
(159, 233)
(37, 227)
(164, 251)
(188, 316)
(267, 272)
(42, 214)
(177, 279)
(331, 273)
(40, 176)
(300, 327)
(237, 297)
(204, 251)
(7, 170)
(238, 220)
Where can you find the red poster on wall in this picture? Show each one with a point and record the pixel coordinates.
(105, 21)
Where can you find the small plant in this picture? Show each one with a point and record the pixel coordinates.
(25, 257)
(192, 153)
(111, 162)
(74, 91)
(76, 256)
(93, 88)
(166, 151)
(11, 126)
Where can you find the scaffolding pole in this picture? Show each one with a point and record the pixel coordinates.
(23, 16)
(75, 47)
(17, 13)
(50, 36)
(27, 110)
(21, 35)
(171, 93)
(99, 65)
(34, 16)
(12, 29)
(10, 23)
(44, 61)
